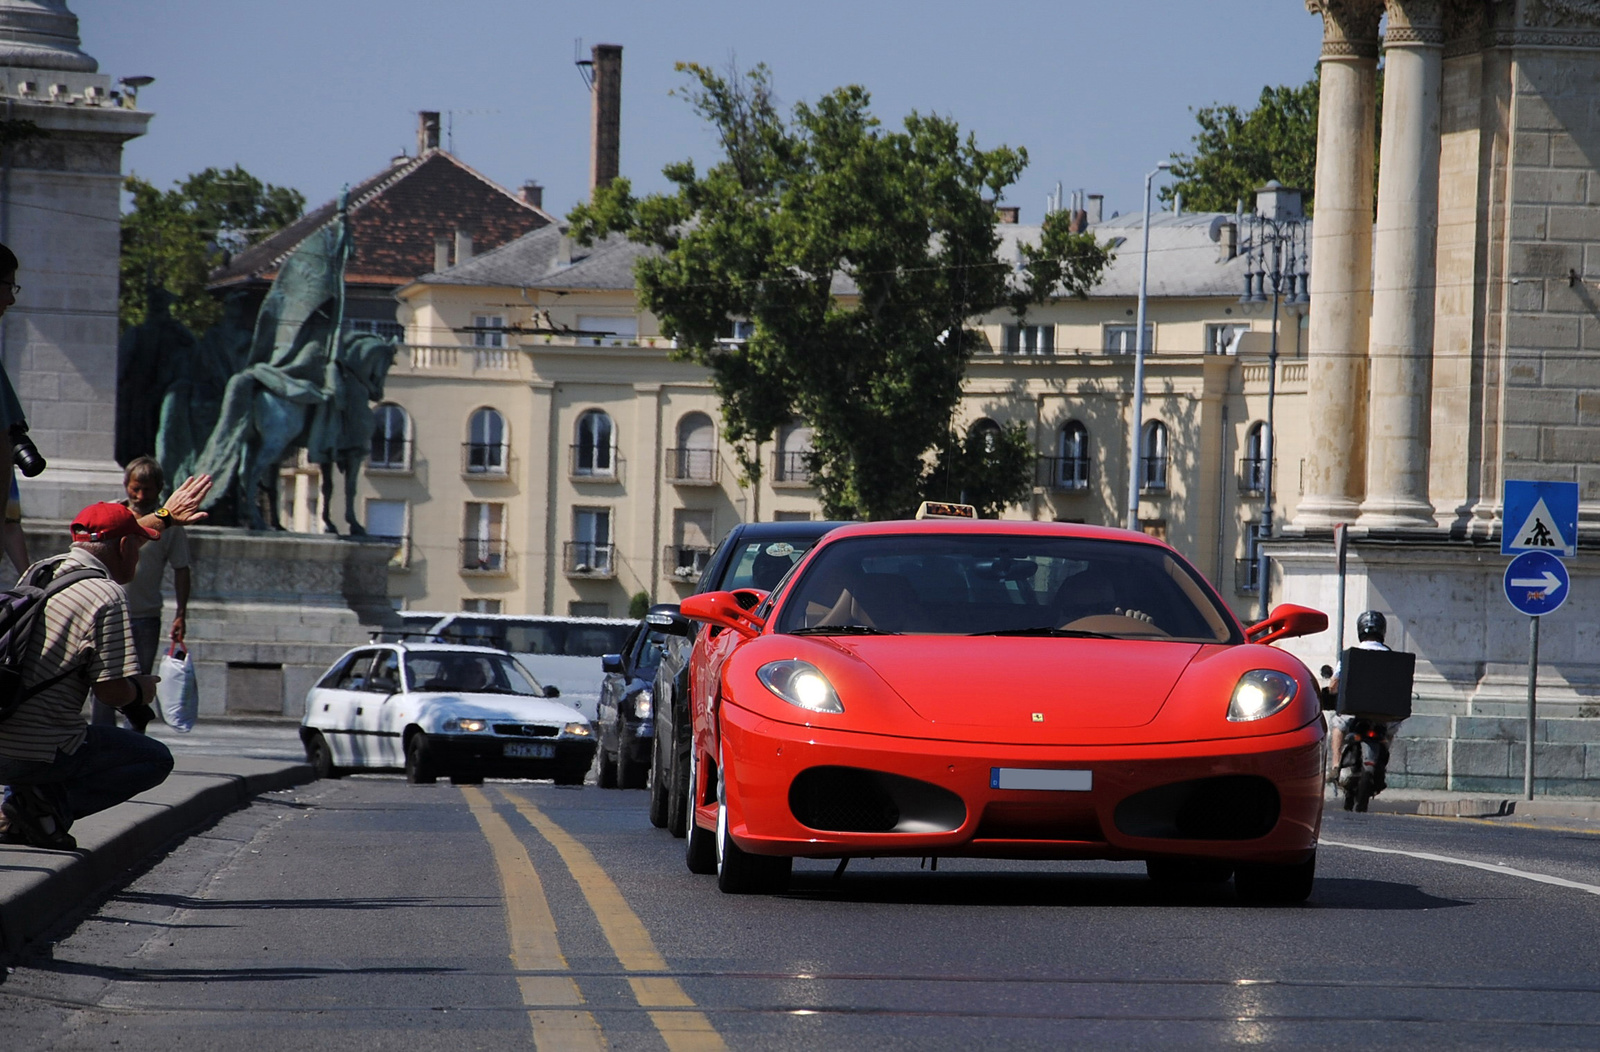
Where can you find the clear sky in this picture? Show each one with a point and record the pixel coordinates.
(314, 94)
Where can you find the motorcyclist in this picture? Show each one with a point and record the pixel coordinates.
(1371, 627)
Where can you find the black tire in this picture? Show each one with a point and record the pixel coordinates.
(699, 845)
(1266, 885)
(658, 786)
(571, 776)
(320, 756)
(419, 765)
(1188, 871)
(1363, 789)
(677, 779)
(741, 873)
(466, 779)
(631, 774)
(606, 778)
(1349, 799)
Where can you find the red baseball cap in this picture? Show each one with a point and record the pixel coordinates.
(107, 522)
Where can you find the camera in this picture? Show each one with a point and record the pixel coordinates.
(24, 453)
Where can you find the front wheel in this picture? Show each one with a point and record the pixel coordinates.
(1268, 885)
(738, 871)
(419, 765)
(658, 786)
(607, 775)
(320, 756)
(1363, 790)
(699, 845)
(679, 802)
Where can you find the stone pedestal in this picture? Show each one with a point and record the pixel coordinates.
(269, 612)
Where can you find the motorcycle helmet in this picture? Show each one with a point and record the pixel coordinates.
(1371, 625)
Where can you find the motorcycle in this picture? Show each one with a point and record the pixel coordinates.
(1363, 761)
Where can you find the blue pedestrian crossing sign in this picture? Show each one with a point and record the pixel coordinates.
(1536, 583)
(1540, 517)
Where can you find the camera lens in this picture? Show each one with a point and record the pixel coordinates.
(27, 457)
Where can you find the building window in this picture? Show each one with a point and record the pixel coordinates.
(590, 550)
(487, 330)
(391, 439)
(1028, 339)
(386, 521)
(692, 531)
(1253, 466)
(791, 516)
(485, 448)
(1072, 457)
(1247, 570)
(791, 462)
(483, 538)
(1224, 339)
(694, 459)
(480, 606)
(1153, 456)
(596, 450)
(607, 330)
(738, 332)
(389, 330)
(1122, 339)
(987, 432)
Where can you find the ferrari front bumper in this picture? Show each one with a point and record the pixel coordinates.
(1247, 799)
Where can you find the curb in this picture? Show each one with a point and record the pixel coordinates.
(1489, 807)
(38, 888)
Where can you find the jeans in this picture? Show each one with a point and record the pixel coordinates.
(112, 765)
(146, 641)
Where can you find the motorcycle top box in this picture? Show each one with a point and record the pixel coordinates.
(1376, 684)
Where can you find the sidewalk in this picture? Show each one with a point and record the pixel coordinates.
(1453, 804)
(38, 888)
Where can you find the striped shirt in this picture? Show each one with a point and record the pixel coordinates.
(84, 628)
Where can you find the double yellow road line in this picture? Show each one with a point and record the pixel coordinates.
(555, 1002)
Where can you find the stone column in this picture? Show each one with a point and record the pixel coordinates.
(1401, 346)
(1341, 263)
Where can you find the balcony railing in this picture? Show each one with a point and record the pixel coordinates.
(790, 469)
(1153, 474)
(484, 555)
(1064, 473)
(390, 455)
(588, 463)
(588, 559)
(485, 459)
(686, 562)
(1253, 475)
(694, 467)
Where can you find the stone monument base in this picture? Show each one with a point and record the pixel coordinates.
(268, 612)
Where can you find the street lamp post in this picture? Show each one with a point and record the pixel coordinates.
(1134, 464)
(1278, 232)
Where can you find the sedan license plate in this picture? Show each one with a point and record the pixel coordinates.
(1035, 778)
(530, 750)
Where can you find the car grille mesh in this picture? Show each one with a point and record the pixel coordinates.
(527, 730)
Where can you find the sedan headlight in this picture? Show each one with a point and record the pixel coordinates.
(1261, 693)
(577, 730)
(800, 683)
(644, 704)
(470, 726)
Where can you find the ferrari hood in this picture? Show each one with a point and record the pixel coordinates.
(1038, 690)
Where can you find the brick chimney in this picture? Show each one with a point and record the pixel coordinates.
(427, 131)
(532, 194)
(605, 144)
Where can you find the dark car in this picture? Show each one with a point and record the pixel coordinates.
(752, 555)
(626, 719)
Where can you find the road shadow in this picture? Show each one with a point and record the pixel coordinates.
(217, 975)
(1106, 891)
(187, 902)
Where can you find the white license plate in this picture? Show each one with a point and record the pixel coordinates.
(1036, 778)
(530, 750)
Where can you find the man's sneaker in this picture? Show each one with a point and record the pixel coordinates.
(34, 820)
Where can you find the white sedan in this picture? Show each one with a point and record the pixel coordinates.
(434, 708)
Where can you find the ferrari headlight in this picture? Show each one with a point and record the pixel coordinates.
(1261, 693)
(470, 726)
(577, 730)
(800, 683)
(643, 704)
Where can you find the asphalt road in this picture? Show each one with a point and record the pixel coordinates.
(369, 914)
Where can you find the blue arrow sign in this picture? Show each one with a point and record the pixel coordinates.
(1536, 583)
(1540, 517)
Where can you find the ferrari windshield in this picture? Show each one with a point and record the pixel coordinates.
(1003, 585)
(468, 672)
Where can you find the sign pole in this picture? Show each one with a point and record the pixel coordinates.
(1533, 690)
(1341, 534)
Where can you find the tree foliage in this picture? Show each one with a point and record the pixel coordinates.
(1236, 151)
(800, 210)
(175, 238)
(988, 467)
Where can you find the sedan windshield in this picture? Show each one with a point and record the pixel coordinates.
(467, 673)
(1002, 585)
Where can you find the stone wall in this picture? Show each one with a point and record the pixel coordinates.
(1482, 754)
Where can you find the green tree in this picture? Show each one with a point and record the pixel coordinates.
(1236, 151)
(794, 207)
(988, 467)
(176, 237)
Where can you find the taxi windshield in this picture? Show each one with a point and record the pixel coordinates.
(1002, 585)
(468, 673)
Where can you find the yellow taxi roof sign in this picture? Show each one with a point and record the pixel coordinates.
(933, 509)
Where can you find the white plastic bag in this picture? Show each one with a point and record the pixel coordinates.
(178, 691)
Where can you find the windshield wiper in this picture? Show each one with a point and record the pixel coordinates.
(1046, 630)
(841, 630)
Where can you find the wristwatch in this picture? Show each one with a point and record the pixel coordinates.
(164, 517)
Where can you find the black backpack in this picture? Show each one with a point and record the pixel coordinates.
(19, 612)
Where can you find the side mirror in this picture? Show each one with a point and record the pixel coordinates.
(1287, 621)
(384, 686)
(552, 691)
(724, 610)
(610, 662)
(668, 621)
